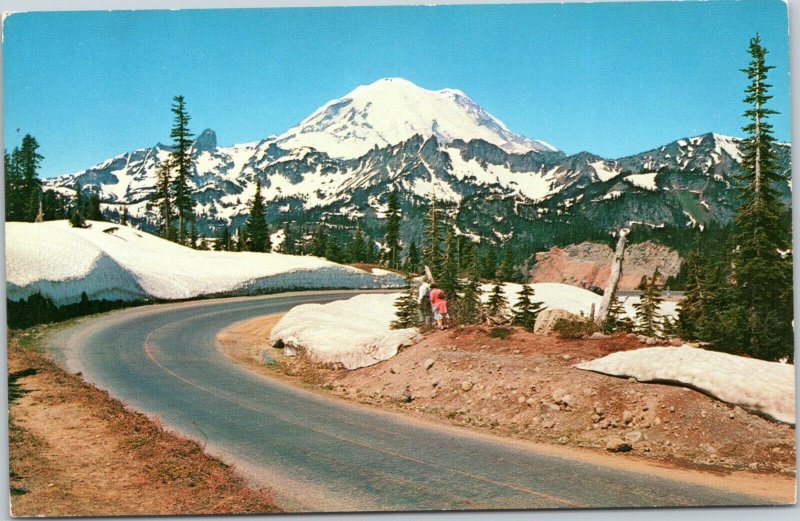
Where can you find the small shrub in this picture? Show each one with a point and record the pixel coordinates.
(500, 332)
(574, 329)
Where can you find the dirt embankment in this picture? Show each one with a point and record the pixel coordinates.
(75, 451)
(525, 387)
(589, 264)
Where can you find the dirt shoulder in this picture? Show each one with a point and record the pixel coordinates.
(75, 451)
(524, 387)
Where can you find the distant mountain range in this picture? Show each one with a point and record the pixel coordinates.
(339, 164)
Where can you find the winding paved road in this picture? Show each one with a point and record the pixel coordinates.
(320, 454)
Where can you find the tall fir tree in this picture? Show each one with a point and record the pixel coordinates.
(506, 272)
(432, 249)
(691, 308)
(31, 185)
(241, 240)
(163, 198)
(76, 218)
(616, 318)
(223, 242)
(411, 264)
(123, 220)
(647, 309)
(469, 309)
(406, 308)
(762, 268)
(356, 249)
(391, 238)
(93, 211)
(497, 305)
(448, 277)
(13, 186)
(181, 159)
(319, 244)
(332, 250)
(255, 228)
(488, 264)
(526, 309)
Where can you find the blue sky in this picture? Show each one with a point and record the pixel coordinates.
(613, 79)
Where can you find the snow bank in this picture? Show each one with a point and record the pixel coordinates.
(354, 332)
(110, 261)
(570, 298)
(765, 388)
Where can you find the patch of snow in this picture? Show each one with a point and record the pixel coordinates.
(114, 262)
(765, 388)
(354, 332)
(605, 171)
(646, 181)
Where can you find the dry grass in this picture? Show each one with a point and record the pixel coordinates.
(76, 451)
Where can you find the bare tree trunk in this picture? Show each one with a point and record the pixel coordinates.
(613, 280)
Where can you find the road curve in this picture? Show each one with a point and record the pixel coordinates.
(320, 454)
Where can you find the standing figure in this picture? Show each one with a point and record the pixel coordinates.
(424, 301)
(439, 305)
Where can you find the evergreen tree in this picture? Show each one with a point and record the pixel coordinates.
(692, 306)
(288, 240)
(319, 245)
(76, 219)
(469, 309)
(392, 236)
(93, 212)
(181, 159)
(13, 186)
(406, 308)
(356, 248)
(332, 251)
(616, 319)
(241, 240)
(488, 266)
(448, 278)
(123, 220)
(526, 310)
(193, 238)
(762, 273)
(163, 199)
(256, 225)
(412, 259)
(497, 305)
(371, 252)
(506, 271)
(431, 250)
(647, 317)
(223, 242)
(30, 186)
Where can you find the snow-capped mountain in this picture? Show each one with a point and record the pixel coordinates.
(393, 110)
(414, 141)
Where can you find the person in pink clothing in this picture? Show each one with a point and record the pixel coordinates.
(439, 305)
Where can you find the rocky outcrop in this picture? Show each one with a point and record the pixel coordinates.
(589, 264)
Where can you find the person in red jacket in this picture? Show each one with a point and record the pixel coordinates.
(439, 305)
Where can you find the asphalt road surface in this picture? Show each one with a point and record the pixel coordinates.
(320, 454)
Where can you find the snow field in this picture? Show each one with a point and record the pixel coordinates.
(354, 332)
(110, 261)
(758, 386)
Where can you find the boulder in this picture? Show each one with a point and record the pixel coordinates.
(617, 444)
(547, 318)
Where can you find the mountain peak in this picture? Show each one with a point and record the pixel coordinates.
(391, 110)
(206, 141)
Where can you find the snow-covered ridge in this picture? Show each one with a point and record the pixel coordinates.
(392, 110)
(765, 388)
(113, 262)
